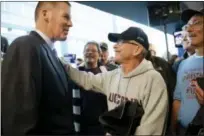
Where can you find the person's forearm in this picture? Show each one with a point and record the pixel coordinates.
(79, 77)
(86, 80)
(175, 111)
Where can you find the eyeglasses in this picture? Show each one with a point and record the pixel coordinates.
(194, 24)
(124, 41)
(92, 51)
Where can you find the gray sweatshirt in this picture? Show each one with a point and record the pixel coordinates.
(143, 83)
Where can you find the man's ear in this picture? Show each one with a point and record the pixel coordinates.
(46, 14)
(137, 51)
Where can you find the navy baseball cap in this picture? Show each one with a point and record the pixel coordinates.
(132, 33)
(187, 14)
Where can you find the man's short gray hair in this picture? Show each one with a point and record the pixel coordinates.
(94, 43)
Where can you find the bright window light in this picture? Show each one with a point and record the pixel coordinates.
(88, 24)
(58, 48)
(18, 32)
(4, 30)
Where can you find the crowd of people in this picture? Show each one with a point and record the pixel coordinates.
(44, 95)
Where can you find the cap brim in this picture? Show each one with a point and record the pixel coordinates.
(114, 37)
(187, 14)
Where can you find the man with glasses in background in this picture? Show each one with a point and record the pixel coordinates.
(136, 79)
(89, 105)
(189, 50)
(187, 99)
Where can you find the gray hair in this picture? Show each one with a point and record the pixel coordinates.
(144, 51)
(93, 43)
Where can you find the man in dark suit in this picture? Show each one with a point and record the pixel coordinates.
(36, 92)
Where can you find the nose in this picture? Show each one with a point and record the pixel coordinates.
(102, 56)
(69, 23)
(189, 29)
(89, 53)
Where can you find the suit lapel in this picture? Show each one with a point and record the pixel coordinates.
(55, 63)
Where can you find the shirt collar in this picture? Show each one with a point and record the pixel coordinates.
(46, 38)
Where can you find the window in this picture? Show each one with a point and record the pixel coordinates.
(88, 24)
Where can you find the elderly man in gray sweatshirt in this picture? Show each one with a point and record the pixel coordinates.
(135, 79)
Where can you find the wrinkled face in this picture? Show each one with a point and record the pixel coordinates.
(195, 30)
(104, 56)
(126, 50)
(91, 54)
(58, 20)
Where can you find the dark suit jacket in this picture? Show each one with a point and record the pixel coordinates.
(36, 92)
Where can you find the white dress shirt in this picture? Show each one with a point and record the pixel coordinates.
(46, 38)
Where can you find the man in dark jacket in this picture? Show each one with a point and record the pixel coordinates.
(36, 92)
(90, 103)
